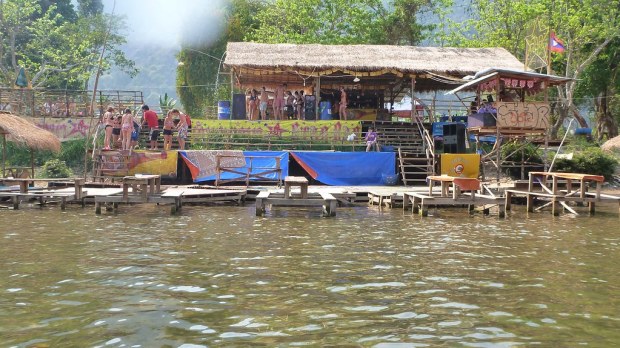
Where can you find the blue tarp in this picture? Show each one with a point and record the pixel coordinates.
(261, 162)
(348, 168)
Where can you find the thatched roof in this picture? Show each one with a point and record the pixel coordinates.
(404, 59)
(21, 131)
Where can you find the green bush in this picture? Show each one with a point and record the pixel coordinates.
(591, 160)
(56, 168)
(527, 153)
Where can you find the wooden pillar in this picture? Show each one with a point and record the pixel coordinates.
(317, 97)
(3, 153)
(32, 163)
(413, 108)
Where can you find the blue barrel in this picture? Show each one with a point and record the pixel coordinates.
(583, 131)
(325, 109)
(223, 110)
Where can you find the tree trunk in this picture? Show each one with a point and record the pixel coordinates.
(606, 124)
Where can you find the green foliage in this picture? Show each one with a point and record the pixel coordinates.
(71, 153)
(56, 47)
(56, 168)
(519, 152)
(166, 103)
(591, 160)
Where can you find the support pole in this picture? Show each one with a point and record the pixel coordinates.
(317, 98)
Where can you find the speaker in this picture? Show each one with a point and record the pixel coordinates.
(310, 107)
(238, 107)
(454, 138)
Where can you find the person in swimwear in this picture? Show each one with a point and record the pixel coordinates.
(108, 121)
(126, 129)
(182, 126)
(168, 125)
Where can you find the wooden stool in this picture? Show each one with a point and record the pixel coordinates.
(294, 181)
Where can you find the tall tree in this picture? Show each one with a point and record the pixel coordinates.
(88, 8)
(55, 52)
(197, 73)
(587, 27)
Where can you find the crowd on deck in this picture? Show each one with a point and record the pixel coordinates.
(122, 131)
(285, 104)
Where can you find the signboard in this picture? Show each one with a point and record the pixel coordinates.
(522, 115)
(460, 165)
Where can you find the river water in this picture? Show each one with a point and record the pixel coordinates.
(218, 276)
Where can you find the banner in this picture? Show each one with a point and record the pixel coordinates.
(460, 165)
(304, 130)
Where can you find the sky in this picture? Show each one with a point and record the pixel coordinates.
(170, 23)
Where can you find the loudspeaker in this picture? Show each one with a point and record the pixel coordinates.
(454, 138)
(238, 109)
(310, 107)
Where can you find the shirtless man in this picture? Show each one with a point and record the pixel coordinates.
(342, 110)
(278, 102)
(264, 100)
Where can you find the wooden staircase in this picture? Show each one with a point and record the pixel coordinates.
(414, 146)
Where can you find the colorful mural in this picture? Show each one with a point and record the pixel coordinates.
(163, 163)
(66, 128)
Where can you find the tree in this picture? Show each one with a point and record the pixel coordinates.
(55, 52)
(198, 81)
(587, 27)
(89, 8)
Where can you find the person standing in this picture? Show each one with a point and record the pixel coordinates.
(342, 110)
(182, 127)
(252, 104)
(168, 125)
(116, 132)
(278, 102)
(264, 100)
(151, 120)
(108, 121)
(126, 129)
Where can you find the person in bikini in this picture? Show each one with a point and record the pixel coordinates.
(168, 125)
(108, 121)
(126, 129)
(252, 104)
(116, 132)
(342, 110)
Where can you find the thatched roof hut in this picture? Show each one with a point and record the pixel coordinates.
(433, 68)
(21, 131)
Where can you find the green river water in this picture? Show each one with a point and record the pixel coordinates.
(217, 276)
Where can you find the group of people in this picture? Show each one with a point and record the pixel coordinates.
(126, 129)
(285, 103)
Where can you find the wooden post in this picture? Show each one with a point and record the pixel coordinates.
(3, 153)
(317, 98)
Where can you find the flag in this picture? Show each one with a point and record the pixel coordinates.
(21, 79)
(555, 44)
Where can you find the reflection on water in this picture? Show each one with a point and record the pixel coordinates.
(219, 276)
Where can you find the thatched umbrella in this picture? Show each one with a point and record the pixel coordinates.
(23, 132)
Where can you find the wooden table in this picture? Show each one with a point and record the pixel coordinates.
(295, 181)
(458, 184)
(148, 184)
(583, 180)
(24, 183)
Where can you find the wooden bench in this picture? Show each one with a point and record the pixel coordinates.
(252, 171)
(295, 181)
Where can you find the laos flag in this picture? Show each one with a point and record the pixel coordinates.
(555, 44)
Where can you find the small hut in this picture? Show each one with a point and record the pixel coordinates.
(23, 132)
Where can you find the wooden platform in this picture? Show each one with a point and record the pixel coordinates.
(420, 202)
(322, 199)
